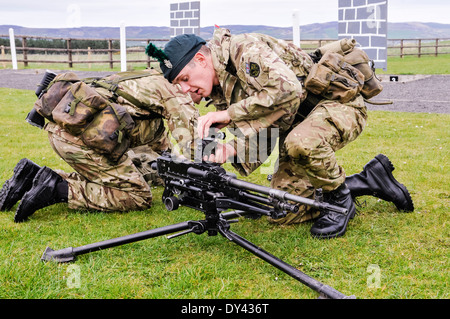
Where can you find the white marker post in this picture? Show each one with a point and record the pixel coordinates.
(12, 44)
(296, 28)
(123, 47)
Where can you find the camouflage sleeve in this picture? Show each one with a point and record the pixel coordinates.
(181, 115)
(157, 95)
(273, 89)
(274, 94)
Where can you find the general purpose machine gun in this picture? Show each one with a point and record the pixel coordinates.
(207, 187)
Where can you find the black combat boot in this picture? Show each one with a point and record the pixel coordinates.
(330, 224)
(21, 181)
(377, 180)
(48, 188)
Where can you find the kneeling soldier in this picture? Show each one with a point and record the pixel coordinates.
(106, 181)
(261, 85)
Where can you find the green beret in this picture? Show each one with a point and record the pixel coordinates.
(178, 52)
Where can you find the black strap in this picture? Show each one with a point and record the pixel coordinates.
(230, 68)
(308, 105)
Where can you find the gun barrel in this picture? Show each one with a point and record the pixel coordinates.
(197, 172)
(282, 195)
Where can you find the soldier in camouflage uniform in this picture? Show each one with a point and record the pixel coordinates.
(99, 183)
(255, 82)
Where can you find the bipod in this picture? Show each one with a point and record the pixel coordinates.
(213, 224)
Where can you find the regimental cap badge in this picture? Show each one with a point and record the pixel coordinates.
(158, 54)
(168, 64)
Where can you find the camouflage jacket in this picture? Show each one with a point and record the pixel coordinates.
(259, 84)
(158, 100)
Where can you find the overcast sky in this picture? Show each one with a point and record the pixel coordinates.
(70, 13)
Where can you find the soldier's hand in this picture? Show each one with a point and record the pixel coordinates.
(219, 119)
(222, 153)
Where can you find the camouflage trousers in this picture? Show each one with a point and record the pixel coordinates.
(307, 153)
(99, 184)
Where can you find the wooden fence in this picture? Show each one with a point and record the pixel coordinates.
(396, 47)
(418, 47)
(50, 54)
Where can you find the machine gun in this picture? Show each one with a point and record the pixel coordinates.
(207, 187)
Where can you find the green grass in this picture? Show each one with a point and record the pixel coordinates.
(410, 249)
(414, 65)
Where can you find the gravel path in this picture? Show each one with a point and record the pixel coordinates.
(412, 93)
(415, 93)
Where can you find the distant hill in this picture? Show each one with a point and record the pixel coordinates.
(418, 30)
(308, 32)
(328, 30)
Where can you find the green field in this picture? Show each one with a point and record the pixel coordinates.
(415, 65)
(385, 254)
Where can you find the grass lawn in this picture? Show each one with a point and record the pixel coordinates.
(414, 65)
(385, 253)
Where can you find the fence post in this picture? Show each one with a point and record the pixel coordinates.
(12, 44)
(110, 54)
(148, 57)
(123, 47)
(2, 47)
(436, 50)
(420, 48)
(89, 57)
(401, 49)
(69, 52)
(25, 51)
(296, 28)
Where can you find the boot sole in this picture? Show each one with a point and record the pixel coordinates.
(12, 192)
(389, 167)
(22, 213)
